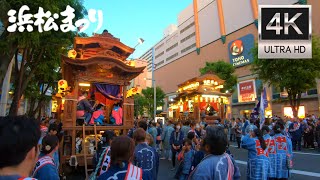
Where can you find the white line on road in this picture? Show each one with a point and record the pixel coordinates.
(303, 153)
(305, 173)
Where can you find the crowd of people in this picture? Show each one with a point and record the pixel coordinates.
(196, 150)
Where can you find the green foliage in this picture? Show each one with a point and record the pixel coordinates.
(224, 71)
(296, 75)
(146, 100)
(139, 104)
(41, 51)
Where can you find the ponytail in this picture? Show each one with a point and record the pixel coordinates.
(258, 133)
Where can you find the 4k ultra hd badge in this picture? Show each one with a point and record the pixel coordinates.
(285, 32)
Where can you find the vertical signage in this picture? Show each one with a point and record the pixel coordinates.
(240, 51)
(247, 91)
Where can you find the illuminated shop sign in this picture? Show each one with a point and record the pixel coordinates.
(190, 86)
(287, 111)
(240, 51)
(246, 91)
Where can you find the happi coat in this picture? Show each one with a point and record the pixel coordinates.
(214, 167)
(283, 148)
(166, 136)
(258, 164)
(147, 158)
(45, 168)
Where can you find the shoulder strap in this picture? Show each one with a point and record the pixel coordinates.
(42, 162)
(105, 161)
(133, 173)
(230, 167)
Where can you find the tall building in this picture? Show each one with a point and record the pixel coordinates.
(176, 58)
(141, 80)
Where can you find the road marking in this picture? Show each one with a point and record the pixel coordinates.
(305, 173)
(303, 153)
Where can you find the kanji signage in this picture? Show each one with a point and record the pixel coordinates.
(246, 91)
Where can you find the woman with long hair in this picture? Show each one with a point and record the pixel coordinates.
(258, 161)
(122, 149)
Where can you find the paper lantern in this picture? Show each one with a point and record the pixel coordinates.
(62, 86)
(72, 54)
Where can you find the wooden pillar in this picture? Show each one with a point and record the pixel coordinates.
(196, 111)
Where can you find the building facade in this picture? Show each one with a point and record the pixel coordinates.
(141, 80)
(176, 59)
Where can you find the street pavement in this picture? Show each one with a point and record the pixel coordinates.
(306, 165)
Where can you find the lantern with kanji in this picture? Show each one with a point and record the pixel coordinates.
(72, 54)
(62, 86)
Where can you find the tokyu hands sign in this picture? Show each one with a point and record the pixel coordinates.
(45, 21)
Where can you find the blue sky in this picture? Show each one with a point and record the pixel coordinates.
(132, 19)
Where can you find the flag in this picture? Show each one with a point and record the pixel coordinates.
(255, 112)
(263, 106)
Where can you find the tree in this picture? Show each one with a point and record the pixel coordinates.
(139, 104)
(35, 48)
(224, 71)
(295, 75)
(148, 95)
(10, 43)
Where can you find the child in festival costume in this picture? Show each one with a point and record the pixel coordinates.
(217, 164)
(45, 168)
(19, 137)
(97, 116)
(122, 149)
(258, 161)
(186, 157)
(283, 153)
(145, 156)
(117, 114)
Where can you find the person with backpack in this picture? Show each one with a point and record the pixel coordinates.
(216, 164)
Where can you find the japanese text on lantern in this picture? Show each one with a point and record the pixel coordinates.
(45, 21)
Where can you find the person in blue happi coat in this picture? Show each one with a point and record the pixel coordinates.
(296, 131)
(266, 131)
(258, 164)
(19, 148)
(217, 164)
(284, 155)
(176, 143)
(153, 132)
(45, 168)
(121, 168)
(165, 137)
(145, 156)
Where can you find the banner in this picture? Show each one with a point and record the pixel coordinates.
(247, 91)
(263, 106)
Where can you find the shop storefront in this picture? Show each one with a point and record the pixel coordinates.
(200, 97)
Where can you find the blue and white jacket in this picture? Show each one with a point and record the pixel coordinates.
(258, 164)
(146, 158)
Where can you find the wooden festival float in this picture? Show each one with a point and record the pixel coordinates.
(200, 97)
(95, 61)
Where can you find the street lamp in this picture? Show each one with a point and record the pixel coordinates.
(154, 96)
(140, 41)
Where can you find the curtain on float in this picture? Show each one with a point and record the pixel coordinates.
(109, 91)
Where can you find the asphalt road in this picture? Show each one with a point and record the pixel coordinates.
(306, 165)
